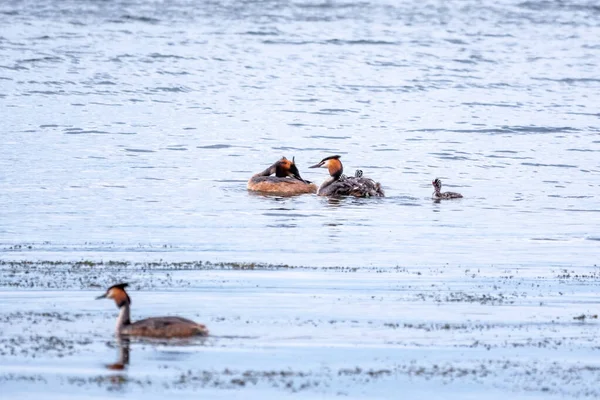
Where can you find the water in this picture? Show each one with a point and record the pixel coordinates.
(130, 128)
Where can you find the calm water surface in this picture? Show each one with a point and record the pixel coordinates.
(130, 128)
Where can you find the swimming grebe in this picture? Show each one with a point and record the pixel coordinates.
(161, 327)
(287, 180)
(341, 185)
(437, 185)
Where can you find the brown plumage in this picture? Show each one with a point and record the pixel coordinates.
(438, 195)
(340, 185)
(157, 327)
(287, 180)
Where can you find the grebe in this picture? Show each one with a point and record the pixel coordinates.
(437, 185)
(341, 185)
(287, 180)
(161, 327)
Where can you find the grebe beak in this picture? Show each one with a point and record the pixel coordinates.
(318, 165)
(101, 297)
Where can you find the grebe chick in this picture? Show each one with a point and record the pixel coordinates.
(160, 327)
(437, 194)
(287, 180)
(341, 185)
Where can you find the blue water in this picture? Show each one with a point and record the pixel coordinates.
(129, 130)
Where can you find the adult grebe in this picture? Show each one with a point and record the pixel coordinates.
(287, 180)
(437, 194)
(341, 185)
(161, 327)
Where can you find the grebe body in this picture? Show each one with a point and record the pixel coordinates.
(287, 180)
(340, 185)
(157, 327)
(438, 195)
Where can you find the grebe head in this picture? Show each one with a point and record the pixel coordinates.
(118, 294)
(333, 164)
(284, 168)
(437, 184)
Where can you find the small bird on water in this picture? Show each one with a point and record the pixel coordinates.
(158, 327)
(438, 195)
(339, 184)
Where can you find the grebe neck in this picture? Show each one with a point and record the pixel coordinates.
(123, 319)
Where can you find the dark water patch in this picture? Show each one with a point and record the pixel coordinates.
(570, 197)
(596, 239)
(329, 137)
(83, 132)
(14, 67)
(46, 92)
(215, 146)
(333, 111)
(366, 42)
(583, 113)
(493, 104)
(335, 42)
(507, 157)
(311, 100)
(548, 5)
(174, 73)
(329, 5)
(52, 59)
(507, 129)
(176, 148)
(136, 18)
(386, 150)
(149, 178)
(140, 150)
(172, 89)
(456, 41)
(583, 150)
(381, 88)
(568, 80)
(273, 32)
(464, 61)
(549, 165)
(49, 126)
(286, 215)
(163, 56)
(547, 239)
(285, 226)
(287, 42)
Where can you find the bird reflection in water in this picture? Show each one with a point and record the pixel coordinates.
(123, 360)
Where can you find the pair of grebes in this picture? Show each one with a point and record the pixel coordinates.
(287, 181)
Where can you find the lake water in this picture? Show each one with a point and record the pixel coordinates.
(130, 128)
